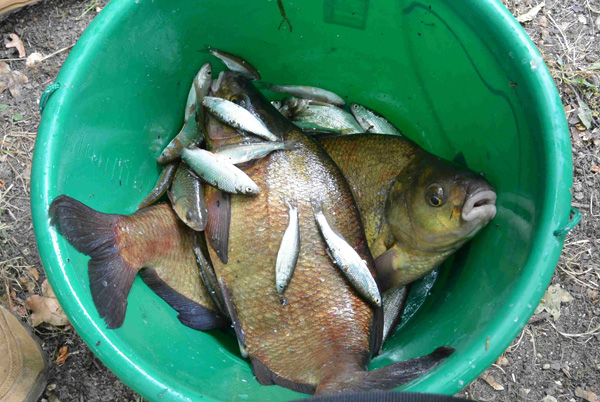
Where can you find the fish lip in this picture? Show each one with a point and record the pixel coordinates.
(485, 211)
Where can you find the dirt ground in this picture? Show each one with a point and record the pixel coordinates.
(551, 360)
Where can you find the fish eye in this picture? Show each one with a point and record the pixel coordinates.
(355, 106)
(435, 195)
(240, 99)
(435, 201)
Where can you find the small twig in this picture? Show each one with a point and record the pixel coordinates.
(57, 52)
(282, 11)
(591, 332)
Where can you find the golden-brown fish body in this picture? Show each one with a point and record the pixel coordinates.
(152, 241)
(318, 335)
(416, 208)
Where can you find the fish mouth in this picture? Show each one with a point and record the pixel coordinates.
(480, 206)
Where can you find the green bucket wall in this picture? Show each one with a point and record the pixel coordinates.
(456, 76)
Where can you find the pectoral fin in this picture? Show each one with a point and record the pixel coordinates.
(219, 219)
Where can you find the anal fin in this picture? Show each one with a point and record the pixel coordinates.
(266, 377)
(191, 314)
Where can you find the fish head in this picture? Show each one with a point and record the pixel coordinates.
(191, 215)
(435, 206)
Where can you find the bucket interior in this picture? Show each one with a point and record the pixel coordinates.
(440, 72)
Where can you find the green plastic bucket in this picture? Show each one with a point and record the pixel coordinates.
(456, 76)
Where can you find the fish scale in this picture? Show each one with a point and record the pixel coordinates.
(311, 322)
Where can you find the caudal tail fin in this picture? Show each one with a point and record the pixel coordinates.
(388, 377)
(93, 233)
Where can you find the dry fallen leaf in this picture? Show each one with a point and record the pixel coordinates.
(549, 398)
(33, 272)
(529, 16)
(492, 382)
(33, 59)
(11, 80)
(63, 353)
(543, 21)
(552, 299)
(46, 308)
(587, 395)
(16, 42)
(595, 168)
(502, 361)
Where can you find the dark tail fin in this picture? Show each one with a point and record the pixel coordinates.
(93, 233)
(385, 378)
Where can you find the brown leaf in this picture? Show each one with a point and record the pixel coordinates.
(62, 356)
(11, 80)
(587, 395)
(543, 21)
(595, 168)
(46, 308)
(492, 382)
(16, 43)
(502, 361)
(33, 273)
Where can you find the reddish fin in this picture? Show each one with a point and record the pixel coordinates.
(266, 377)
(385, 378)
(92, 233)
(191, 314)
(219, 218)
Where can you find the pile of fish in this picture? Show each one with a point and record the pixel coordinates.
(283, 225)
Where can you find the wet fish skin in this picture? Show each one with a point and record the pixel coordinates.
(331, 117)
(187, 198)
(162, 184)
(192, 131)
(313, 93)
(391, 178)
(237, 64)
(372, 122)
(219, 172)
(238, 117)
(347, 259)
(288, 251)
(153, 242)
(317, 336)
(247, 151)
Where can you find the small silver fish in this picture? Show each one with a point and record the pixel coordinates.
(237, 64)
(236, 116)
(219, 172)
(247, 151)
(192, 131)
(331, 117)
(393, 305)
(162, 184)
(371, 121)
(347, 259)
(312, 128)
(288, 251)
(313, 93)
(202, 83)
(187, 198)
